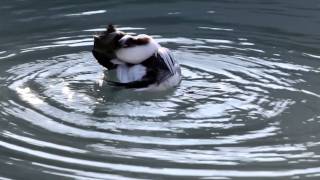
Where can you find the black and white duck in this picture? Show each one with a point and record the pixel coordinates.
(140, 62)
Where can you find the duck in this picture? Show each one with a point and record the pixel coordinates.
(140, 62)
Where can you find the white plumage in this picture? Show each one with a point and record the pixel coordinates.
(137, 54)
(127, 74)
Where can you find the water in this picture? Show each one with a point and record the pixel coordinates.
(248, 106)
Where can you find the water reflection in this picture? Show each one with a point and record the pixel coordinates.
(248, 105)
(87, 13)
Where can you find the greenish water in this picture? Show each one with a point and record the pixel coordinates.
(248, 106)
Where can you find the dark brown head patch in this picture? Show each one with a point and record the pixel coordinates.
(131, 41)
(141, 41)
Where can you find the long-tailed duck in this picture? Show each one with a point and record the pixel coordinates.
(140, 62)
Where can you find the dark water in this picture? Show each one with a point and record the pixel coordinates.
(248, 106)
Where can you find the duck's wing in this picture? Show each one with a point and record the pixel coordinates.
(165, 60)
(166, 64)
(160, 67)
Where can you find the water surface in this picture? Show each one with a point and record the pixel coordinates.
(248, 106)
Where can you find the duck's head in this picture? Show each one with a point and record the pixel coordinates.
(106, 42)
(135, 49)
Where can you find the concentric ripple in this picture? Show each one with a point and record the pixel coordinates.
(246, 108)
